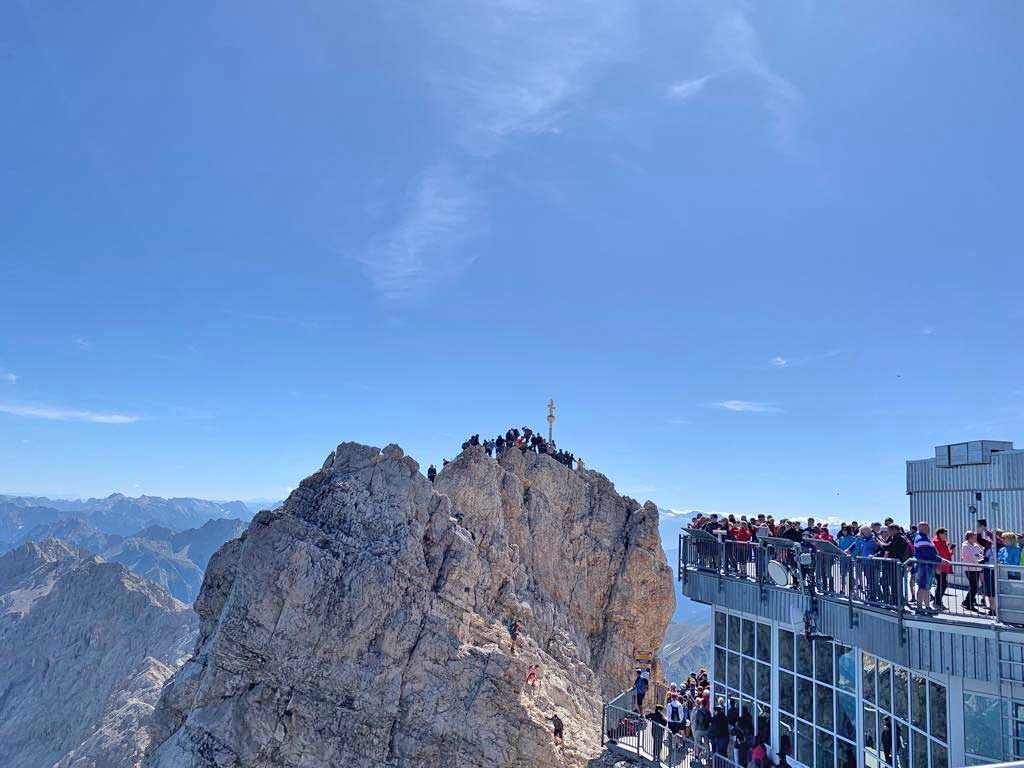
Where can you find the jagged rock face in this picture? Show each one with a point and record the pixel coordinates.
(87, 647)
(359, 625)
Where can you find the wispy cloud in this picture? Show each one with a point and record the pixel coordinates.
(81, 343)
(498, 70)
(928, 330)
(735, 50)
(748, 406)
(508, 67)
(686, 89)
(427, 244)
(51, 413)
(736, 45)
(779, 362)
(9, 377)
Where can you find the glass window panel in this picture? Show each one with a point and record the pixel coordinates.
(846, 668)
(720, 668)
(786, 734)
(869, 677)
(884, 685)
(748, 675)
(734, 633)
(786, 692)
(824, 756)
(734, 700)
(846, 716)
(919, 702)
(823, 661)
(940, 756)
(870, 725)
(720, 622)
(733, 679)
(804, 656)
(937, 710)
(823, 707)
(846, 754)
(899, 692)
(748, 637)
(764, 682)
(982, 738)
(786, 649)
(764, 642)
(805, 699)
(919, 750)
(900, 743)
(885, 737)
(804, 743)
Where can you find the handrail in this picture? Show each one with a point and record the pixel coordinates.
(962, 589)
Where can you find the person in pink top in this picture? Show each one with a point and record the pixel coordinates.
(971, 553)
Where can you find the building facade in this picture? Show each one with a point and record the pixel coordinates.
(847, 684)
(967, 481)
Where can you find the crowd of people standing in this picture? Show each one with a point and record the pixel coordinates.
(880, 554)
(525, 440)
(686, 722)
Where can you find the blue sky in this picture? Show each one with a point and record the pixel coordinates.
(759, 254)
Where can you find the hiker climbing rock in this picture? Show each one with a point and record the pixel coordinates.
(531, 676)
(432, 473)
(513, 630)
(558, 728)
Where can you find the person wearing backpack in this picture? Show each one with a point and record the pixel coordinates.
(640, 690)
(676, 715)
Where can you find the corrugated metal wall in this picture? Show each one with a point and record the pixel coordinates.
(1005, 471)
(951, 509)
(944, 495)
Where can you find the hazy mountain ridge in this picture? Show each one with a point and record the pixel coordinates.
(685, 649)
(87, 648)
(174, 560)
(116, 513)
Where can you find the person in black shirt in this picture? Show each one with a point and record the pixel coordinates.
(431, 473)
(658, 723)
(558, 729)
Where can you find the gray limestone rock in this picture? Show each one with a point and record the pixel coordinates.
(361, 625)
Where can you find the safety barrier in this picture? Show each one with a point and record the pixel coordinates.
(633, 733)
(981, 591)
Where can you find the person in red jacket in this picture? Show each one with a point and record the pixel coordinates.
(945, 550)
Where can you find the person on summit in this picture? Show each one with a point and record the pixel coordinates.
(431, 473)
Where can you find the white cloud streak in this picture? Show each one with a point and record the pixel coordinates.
(66, 414)
(779, 362)
(9, 377)
(508, 67)
(748, 406)
(687, 89)
(428, 243)
(736, 45)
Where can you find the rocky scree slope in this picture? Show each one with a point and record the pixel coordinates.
(360, 625)
(86, 648)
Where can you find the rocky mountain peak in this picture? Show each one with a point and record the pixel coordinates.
(366, 622)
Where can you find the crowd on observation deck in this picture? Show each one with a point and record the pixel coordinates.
(881, 553)
(525, 440)
(686, 723)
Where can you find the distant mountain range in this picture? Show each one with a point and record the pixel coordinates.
(116, 513)
(169, 541)
(174, 560)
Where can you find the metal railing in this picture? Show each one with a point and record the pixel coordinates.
(981, 591)
(634, 733)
